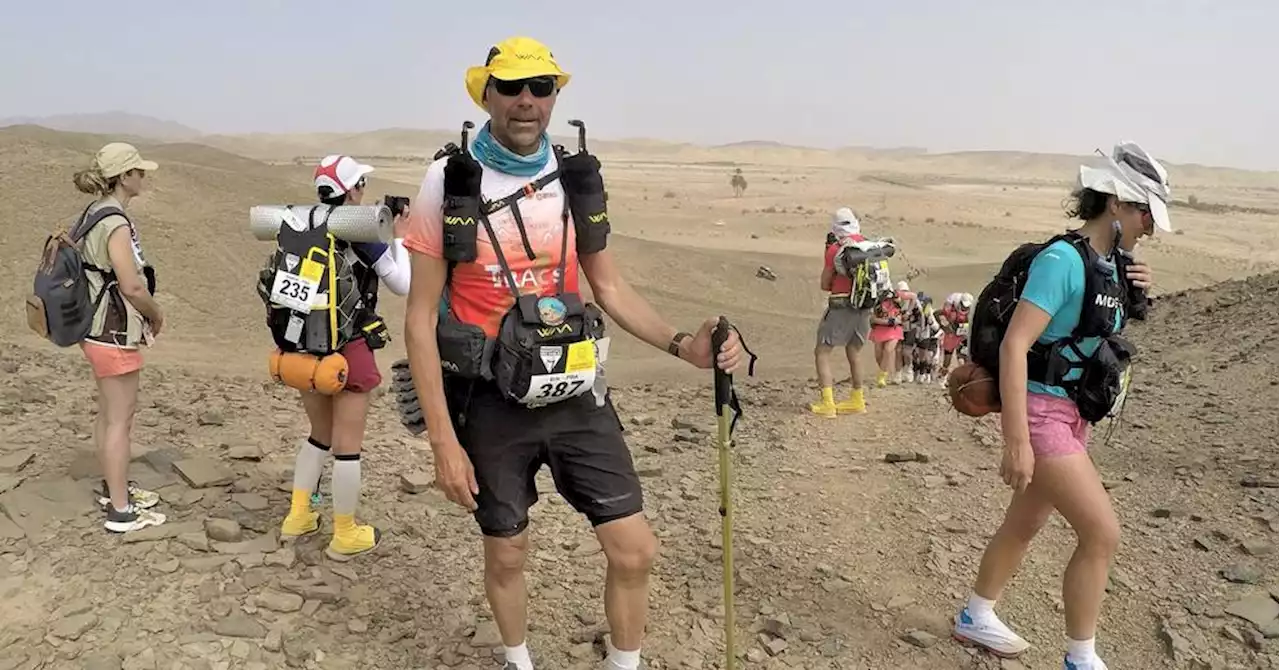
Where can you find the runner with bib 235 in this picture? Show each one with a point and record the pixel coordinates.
(510, 372)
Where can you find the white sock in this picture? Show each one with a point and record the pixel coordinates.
(981, 609)
(1080, 651)
(520, 656)
(309, 464)
(621, 660)
(345, 483)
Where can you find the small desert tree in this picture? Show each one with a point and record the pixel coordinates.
(738, 182)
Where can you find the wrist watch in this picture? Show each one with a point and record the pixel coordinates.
(674, 347)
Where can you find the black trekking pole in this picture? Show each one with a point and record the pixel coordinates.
(724, 420)
(582, 133)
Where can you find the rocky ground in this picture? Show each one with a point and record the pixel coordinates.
(845, 560)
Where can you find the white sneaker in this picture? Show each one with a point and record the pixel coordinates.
(131, 519)
(991, 635)
(1094, 664)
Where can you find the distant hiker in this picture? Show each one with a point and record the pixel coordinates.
(886, 333)
(843, 325)
(1076, 294)
(924, 325)
(128, 317)
(906, 348)
(954, 319)
(338, 421)
(511, 376)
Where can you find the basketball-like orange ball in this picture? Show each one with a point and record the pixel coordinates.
(974, 392)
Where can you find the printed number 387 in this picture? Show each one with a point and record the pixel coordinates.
(559, 389)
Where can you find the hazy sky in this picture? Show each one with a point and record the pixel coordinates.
(1193, 81)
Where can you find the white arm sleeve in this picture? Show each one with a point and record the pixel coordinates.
(393, 267)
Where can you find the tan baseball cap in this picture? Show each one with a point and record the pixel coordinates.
(118, 158)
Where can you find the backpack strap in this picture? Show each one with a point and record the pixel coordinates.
(87, 222)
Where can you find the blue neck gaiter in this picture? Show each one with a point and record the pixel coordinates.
(493, 155)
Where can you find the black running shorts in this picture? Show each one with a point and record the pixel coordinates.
(509, 443)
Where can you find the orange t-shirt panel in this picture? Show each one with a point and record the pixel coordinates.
(478, 294)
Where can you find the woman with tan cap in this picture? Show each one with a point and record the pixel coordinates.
(126, 318)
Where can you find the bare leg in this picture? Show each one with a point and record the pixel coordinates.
(851, 352)
(1023, 519)
(630, 547)
(504, 585)
(1072, 484)
(117, 402)
(822, 361)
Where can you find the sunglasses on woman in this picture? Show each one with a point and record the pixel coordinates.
(539, 87)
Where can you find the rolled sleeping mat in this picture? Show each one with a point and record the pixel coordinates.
(406, 398)
(351, 223)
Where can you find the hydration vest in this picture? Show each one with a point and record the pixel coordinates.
(1104, 312)
(548, 348)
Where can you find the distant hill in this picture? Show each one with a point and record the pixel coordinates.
(115, 123)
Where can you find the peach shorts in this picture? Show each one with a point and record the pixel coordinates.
(109, 361)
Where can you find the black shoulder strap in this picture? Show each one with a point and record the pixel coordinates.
(88, 221)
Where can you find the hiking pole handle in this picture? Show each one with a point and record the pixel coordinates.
(724, 380)
(582, 133)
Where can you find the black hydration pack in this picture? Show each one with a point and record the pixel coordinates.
(1104, 374)
(59, 308)
(317, 298)
(546, 350)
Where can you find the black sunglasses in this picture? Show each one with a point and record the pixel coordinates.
(539, 87)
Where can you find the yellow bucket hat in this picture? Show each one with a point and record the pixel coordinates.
(511, 59)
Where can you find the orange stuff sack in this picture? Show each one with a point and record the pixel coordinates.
(308, 373)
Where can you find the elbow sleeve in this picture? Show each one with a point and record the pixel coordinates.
(393, 268)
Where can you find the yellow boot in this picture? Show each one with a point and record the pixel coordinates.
(827, 406)
(882, 379)
(350, 540)
(301, 520)
(856, 404)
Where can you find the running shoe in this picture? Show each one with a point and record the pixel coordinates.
(990, 634)
(138, 496)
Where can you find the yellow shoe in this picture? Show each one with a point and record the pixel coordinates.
(300, 520)
(827, 406)
(350, 540)
(825, 409)
(856, 404)
(299, 524)
(882, 379)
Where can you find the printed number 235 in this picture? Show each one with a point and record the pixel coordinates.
(294, 289)
(559, 389)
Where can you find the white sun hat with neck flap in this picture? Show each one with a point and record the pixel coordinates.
(1132, 175)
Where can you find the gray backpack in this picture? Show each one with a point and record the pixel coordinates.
(59, 308)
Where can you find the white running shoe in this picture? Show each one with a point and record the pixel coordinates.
(991, 635)
(1095, 664)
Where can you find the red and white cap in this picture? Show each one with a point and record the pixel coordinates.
(340, 174)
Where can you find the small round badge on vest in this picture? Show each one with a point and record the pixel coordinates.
(551, 311)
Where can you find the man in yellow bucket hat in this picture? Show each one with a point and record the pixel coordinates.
(501, 232)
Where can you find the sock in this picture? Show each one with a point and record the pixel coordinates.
(520, 656)
(981, 609)
(828, 396)
(306, 473)
(621, 660)
(1080, 651)
(856, 394)
(346, 484)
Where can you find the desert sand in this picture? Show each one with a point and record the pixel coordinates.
(841, 553)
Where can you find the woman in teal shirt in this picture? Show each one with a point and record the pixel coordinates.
(1045, 458)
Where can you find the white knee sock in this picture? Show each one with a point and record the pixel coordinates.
(346, 483)
(310, 463)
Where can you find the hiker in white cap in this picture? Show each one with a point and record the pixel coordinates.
(1060, 369)
(843, 325)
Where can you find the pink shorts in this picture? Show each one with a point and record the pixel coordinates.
(110, 361)
(1056, 426)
